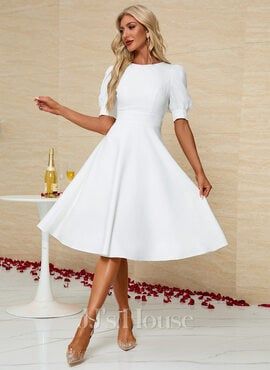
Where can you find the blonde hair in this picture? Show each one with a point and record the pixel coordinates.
(123, 57)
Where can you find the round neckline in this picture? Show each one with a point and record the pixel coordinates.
(148, 64)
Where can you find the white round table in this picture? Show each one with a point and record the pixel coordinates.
(44, 305)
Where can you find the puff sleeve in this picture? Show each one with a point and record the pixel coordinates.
(179, 99)
(103, 95)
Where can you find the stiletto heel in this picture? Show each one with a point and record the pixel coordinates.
(72, 357)
(129, 345)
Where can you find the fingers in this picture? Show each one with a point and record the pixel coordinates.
(205, 190)
(39, 102)
(42, 99)
(201, 192)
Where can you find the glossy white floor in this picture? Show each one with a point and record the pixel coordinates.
(169, 336)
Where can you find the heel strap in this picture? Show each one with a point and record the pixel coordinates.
(124, 310)
(90, 318)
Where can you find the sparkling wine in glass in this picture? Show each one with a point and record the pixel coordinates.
(70, 172)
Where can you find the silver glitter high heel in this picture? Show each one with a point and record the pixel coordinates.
(129, 345)
(72, 357)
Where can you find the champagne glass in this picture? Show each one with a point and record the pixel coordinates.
(70, 171)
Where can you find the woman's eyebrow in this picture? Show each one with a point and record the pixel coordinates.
(127, 24)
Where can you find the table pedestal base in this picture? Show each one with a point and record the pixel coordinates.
(43, 305)
(44, 309)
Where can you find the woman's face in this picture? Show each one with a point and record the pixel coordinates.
(131, 30)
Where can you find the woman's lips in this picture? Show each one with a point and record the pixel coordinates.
(129, 42)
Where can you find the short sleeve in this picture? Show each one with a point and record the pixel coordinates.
(103, 95)
(179, 99)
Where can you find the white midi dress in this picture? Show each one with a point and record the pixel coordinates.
(130, 198)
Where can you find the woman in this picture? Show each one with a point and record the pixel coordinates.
(131, 200)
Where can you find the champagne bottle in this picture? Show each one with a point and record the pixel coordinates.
(50, 178)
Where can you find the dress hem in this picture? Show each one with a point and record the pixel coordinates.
(133, 258)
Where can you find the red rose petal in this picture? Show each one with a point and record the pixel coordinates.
(141, 289)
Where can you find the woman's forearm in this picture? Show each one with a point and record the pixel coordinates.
(84, 121)
(186, 140)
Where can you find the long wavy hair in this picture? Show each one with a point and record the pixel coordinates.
(156, 46)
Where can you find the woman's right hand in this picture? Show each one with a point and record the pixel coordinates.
(47, 104)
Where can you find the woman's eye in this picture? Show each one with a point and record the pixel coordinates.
(131, 27)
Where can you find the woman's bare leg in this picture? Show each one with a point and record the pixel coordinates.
(105, 273)
(120, 287)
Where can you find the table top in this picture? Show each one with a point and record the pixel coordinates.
(28, 198)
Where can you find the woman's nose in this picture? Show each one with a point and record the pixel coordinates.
(125, 34)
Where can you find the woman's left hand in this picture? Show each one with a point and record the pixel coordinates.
(203, 184)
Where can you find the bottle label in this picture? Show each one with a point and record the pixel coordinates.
(54, 187)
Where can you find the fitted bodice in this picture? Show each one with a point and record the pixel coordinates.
(146, 92)
(144, 89)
